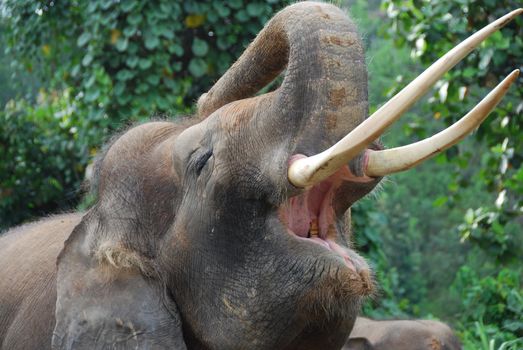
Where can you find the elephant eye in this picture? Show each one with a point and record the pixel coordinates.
(201, 160)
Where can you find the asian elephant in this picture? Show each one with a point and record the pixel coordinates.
(225, 230)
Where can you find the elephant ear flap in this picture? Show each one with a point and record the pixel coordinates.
(105, 300)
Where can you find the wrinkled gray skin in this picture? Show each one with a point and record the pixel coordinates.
(401, 335)
(185, 247)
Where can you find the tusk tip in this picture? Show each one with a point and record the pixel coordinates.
(512, 76)
(510, 16)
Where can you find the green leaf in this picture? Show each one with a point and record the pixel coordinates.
(123, 99)
(176, 49)
(145, 63)
(128, 5)
(176, 66)
(93, 5)
(166, 7)
(135, 19)
(171, 84)
(83, 39)
(106, 4)
(197, 67)
(440, 201)
(133, 48)
(90, 82)
(151, 41)
(87, 59)
(119, 88)
(255, 9)
(129, 31)
(162, 103)
(92, 95)
(223, 11)
(141, 88)
(469, 72)
(485, 59)
(75, 70)
(124, 75)
(241, 16)
(164, 31)
(121, 44)
(132, 61)
(199, 47)
(222, 43)
(235, 4)
(153, 79)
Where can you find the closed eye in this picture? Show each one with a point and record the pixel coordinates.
(201, 161)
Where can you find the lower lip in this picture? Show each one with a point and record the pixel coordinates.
(333, 247)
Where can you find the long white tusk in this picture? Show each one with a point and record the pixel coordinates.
(311, 170)
(381, 163)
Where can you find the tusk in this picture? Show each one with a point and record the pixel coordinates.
(305, 172)
(381, 163)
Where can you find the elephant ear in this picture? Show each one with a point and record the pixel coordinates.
(109, 297)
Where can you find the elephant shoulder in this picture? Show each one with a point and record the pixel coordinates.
(28, 256)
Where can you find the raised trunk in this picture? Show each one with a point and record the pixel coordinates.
(326, 80)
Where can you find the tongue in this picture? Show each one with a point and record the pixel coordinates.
(296, 215)
(314, 205)
(326, 217)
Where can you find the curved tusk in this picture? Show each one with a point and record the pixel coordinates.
(308, 171)
(381, 163)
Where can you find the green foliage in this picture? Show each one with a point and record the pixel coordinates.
(488, 171)
(494, 300)
(497, 302)
(45, 149)
(485, 337)
(432, 28)
(366, 225)
(159, 55)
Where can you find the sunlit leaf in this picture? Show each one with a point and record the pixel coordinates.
(197, 67)
(83, 39)
(199, 47)
(115, 35)
(194, 21)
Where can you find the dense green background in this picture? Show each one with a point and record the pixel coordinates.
(445, 238)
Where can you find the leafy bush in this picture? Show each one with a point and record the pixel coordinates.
(491, 226)
(45, 149)
(160, 55)
(493, 299)
(493, 308)
(388, 301)
(430, 29)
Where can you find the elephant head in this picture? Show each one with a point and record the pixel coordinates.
(225, 231)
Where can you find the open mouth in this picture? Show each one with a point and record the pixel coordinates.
(310, 216)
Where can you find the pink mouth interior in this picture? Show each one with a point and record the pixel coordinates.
(315, 205)
(311, 216)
